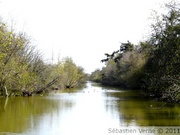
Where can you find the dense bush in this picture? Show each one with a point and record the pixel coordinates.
(163, 67)
(23, 71)
(152, 65)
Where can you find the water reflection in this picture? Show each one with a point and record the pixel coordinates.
(93, 109)
(137, 110)
(22, 114)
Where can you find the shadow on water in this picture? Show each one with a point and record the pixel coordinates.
(135, 109)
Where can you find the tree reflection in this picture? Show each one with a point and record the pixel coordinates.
(135, 109)
(19, 114)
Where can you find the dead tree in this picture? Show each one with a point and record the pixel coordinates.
(48, 85)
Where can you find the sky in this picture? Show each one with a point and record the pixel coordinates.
(81, 29)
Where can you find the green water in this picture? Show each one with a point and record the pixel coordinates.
(93, 109)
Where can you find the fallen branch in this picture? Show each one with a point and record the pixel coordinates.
(48, 85)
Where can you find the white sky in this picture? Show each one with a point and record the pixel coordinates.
(81, 29)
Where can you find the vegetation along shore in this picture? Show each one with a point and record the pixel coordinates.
(153, 65)
(23, 71)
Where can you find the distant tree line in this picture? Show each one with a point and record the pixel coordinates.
(23, 71)
(152, 66)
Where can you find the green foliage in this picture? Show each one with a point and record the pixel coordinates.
(125, 68)
(96, 76)
(152, 65)
(109, 73)
(23, 71)
(162, 69)
(125, 47)
(10, 45)
(71, 75)
(131, 68)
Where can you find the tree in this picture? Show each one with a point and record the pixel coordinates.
(125, 68)
(71, 73)
(162, 69)
(96, 76)
(23, 70)
(10, 44)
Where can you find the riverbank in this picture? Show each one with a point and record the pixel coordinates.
(23, 71)
(152, 65)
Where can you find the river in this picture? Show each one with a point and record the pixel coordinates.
(92, 110)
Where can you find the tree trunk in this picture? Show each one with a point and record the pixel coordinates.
(6, 92)
(48, 85)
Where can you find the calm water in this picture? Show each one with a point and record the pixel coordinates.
(93, 110)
